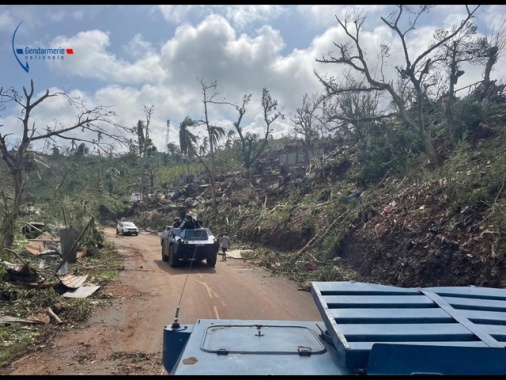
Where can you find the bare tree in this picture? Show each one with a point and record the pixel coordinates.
(145, 147)
(308, 120)
(97, 121)
(251, 144)
(414, 72)
(193, 145)
(462, 48)
(209, 92)
(497, 44)
(496, 48)
(349, 113)
(214, 134)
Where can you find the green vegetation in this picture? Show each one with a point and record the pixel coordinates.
(396, 195)
(101, 266)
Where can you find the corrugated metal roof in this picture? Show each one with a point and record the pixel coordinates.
(71, 281)
(82, 292)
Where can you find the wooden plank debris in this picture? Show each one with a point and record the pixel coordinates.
(8, 320)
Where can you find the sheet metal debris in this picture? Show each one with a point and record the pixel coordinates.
(82, 292)
(73, 282)
(237, 253)
(48, 260)
(42, 243)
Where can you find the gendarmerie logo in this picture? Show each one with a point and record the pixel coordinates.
(31, 53)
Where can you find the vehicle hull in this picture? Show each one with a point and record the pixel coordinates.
(195, 251)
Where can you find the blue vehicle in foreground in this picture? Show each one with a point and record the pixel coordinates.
(366, 329)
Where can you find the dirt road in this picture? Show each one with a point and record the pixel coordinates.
(125, 337)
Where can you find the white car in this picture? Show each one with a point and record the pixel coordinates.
(127, 228)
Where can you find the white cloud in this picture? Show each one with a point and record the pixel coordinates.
(138, 47)
(176, 13)
(241, 16)
(167, 74)
(323, 16)
(57, 15)
(92, 60)
(6, 21)
(78, 14)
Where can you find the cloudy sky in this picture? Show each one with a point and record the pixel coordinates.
(129, 57)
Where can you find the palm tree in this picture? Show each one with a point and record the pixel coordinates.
(186, 140)
(230, 139)
(172, 149)
(204, 146)
(217, 133)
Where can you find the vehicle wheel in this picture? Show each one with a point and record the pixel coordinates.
(173, 261)
(211, 260)
(164, 252)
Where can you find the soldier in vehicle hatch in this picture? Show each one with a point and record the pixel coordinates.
(189, 223)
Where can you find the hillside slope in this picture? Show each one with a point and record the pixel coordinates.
(435, 227)
(447, 229)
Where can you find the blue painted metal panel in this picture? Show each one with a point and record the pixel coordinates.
(254, 354)
(175, 337)
(365, 329)
(360, 315)
(261, 338)
(388, 359)
(386, 301)
(470, 292)
(367, 346)
(485, 317)
(406, 332)
(472, 304)
(394, 315)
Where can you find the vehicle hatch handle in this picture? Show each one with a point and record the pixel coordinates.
(304, 351)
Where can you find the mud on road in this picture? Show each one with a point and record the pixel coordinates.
(125, 333)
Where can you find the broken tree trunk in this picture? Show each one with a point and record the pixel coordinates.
(52, 314)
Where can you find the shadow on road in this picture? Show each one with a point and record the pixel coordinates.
(188, 267)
